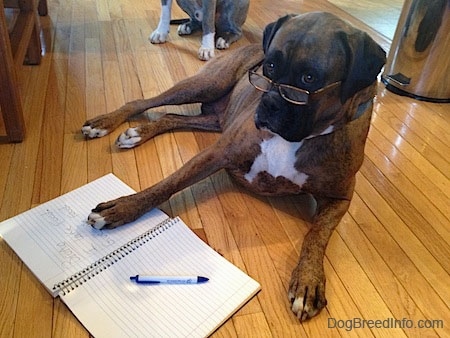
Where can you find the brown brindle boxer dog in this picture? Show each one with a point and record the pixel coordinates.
(294, 117)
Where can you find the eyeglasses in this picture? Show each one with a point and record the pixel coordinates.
(291, 94)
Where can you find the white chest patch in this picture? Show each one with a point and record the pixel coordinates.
(277, 158)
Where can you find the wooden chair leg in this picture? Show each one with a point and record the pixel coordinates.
(21, 45)
(42, 8)
(10, 101)
(34, 50)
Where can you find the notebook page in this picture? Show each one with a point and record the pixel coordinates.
(110, 305)
(55, 241)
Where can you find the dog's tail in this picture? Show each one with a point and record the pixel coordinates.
(179, 21)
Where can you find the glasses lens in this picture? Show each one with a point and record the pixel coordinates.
(260, 82)
(293, 94)
(289, 93)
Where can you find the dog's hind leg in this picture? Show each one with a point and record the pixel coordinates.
(214, 81)
(224, 40)
(230, 17)
(190, 90)
(133, 137)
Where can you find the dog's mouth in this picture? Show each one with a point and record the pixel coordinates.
(265, 125)
(262, 125)
(293, 123)
(267, 111)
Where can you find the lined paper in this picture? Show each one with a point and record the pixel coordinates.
(54, 239)
(111, 305)
(55, 242)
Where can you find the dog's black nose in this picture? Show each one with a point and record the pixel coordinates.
(270, 102)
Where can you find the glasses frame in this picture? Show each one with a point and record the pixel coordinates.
(280, 86)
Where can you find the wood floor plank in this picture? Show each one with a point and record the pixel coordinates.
(52, 137)
(99, 150)
(11, 266)
(65, 323)
(413, 247)
(411, 205)
(428, 183)
(413, 155)
(360, 288)
(428, 144)
(257, 259)
(381, 276)
(406, 271)
(123, 162)
(7, 153)
(34, 303)
(251, 325)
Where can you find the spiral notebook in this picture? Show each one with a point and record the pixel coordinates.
(90, 269)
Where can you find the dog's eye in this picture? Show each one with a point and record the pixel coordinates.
(308, 78)
(269, 68)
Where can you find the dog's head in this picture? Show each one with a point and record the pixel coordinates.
(313, 64)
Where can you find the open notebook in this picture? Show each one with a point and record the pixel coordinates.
(90, 269)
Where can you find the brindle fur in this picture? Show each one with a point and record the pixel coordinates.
(246, 117)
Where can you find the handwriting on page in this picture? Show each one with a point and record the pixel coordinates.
(77, 238)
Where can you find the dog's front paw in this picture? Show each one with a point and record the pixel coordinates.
(110, 215)
(97, 127)
(206, 51)
(221, 43)
(159, 36)
(185, 29)
(92, 132)
(129, 139)
(205, 54)
(307, 291)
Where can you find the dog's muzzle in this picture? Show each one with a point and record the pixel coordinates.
(269, 111)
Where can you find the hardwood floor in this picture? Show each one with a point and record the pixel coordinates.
(389, 257)
(380, 14)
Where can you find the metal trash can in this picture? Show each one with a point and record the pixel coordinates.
(418, 63)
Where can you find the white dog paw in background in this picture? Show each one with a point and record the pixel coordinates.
(159, 35)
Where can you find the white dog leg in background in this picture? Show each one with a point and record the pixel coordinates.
(206, 50)
(221, 43)
(162, 31)
(184, 29)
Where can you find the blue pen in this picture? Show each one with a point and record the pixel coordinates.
(141, 279)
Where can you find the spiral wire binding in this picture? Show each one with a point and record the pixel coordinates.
(77, 279)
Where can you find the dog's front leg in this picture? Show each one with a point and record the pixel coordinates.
(206, 50)
(307, 286)
(162, 31)
(126, 209)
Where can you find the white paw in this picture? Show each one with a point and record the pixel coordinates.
(129, 139)
(96, 220)
(184, 29)
(222, 44)
(158, 36)
(90, 132)
(206, 51)
(205, 54)
(302, 310)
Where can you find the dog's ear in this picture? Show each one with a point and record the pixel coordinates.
(272, 28)
(365, 58)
